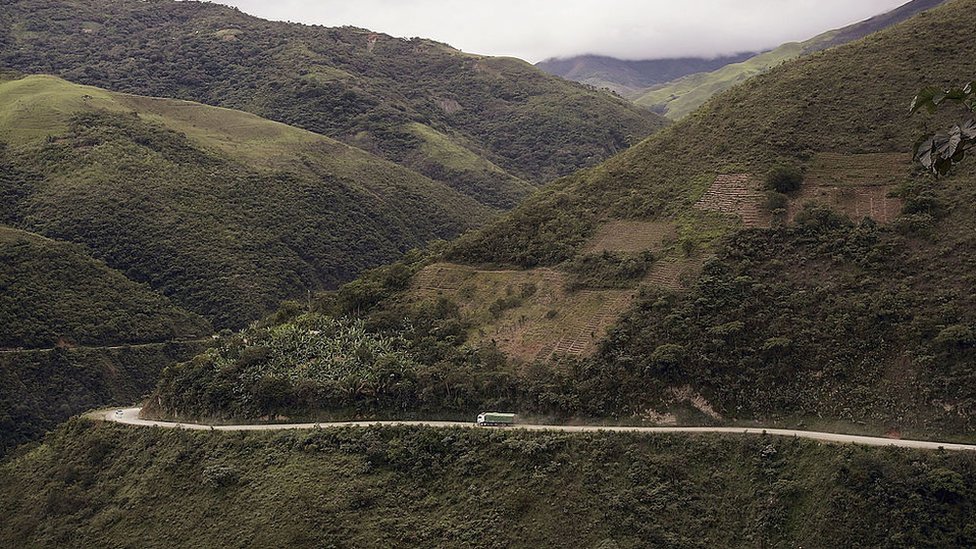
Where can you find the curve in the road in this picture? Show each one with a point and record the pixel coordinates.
(130, 416)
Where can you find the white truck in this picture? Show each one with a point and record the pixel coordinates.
(488, 419)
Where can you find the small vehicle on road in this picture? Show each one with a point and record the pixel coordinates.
(119, 413)
(493, 419)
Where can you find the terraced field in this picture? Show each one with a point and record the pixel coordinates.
(738, 195)
(673, 274)
(528, 315)
(631, 236)
(857, 185)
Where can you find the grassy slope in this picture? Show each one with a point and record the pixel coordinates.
(788, 114)
(98, 485)
(679, 98)
(363, 88)
(225, 212)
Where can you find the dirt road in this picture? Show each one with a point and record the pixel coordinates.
(130, 416)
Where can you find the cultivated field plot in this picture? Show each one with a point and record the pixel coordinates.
(736, 194)
(529, 315)
(856, 202)
(857, 185)
(672, 274)
(631, 236)
(880, 169)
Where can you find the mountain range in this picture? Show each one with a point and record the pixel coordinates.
(204, 217)
(627, 78)
(775, 260)
(675, 87)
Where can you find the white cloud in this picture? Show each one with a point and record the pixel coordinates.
(538, 29)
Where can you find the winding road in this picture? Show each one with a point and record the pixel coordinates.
(130, 416)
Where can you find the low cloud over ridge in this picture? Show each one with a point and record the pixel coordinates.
(538, 29)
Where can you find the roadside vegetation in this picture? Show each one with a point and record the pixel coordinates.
(93, 484)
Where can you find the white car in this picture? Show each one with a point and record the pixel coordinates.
(118, 413)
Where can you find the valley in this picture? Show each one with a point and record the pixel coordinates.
(298, 260)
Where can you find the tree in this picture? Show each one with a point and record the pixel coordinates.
(784, 179)
(940, 152)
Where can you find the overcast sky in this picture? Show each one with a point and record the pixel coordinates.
(538, 29)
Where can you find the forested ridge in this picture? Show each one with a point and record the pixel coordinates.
(225, 213)
(365, 88)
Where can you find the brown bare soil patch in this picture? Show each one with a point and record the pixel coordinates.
(631, 236)
(449, 106)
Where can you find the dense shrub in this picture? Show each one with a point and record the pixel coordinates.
(784, 179)
(412, 487)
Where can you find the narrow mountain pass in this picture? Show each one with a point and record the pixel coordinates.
(130, 416)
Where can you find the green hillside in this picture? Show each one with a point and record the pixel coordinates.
(225, 213)
(363, 88)
(818, 316)
(680, 97)
(54, 291)
(114, 336)
(664, 285)
(98, 485)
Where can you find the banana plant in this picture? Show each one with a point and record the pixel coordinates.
(938, 153)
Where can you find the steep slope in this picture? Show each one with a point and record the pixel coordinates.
(222, 211)
(101, 485)
(848, 301)
(679, 98)
(632, 77)
(54, 293)
(363, 88)
(772, 317)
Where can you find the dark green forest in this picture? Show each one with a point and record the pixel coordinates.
(54, 292)
(41, 389)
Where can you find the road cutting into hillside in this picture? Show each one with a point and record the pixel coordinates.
(130, 416)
